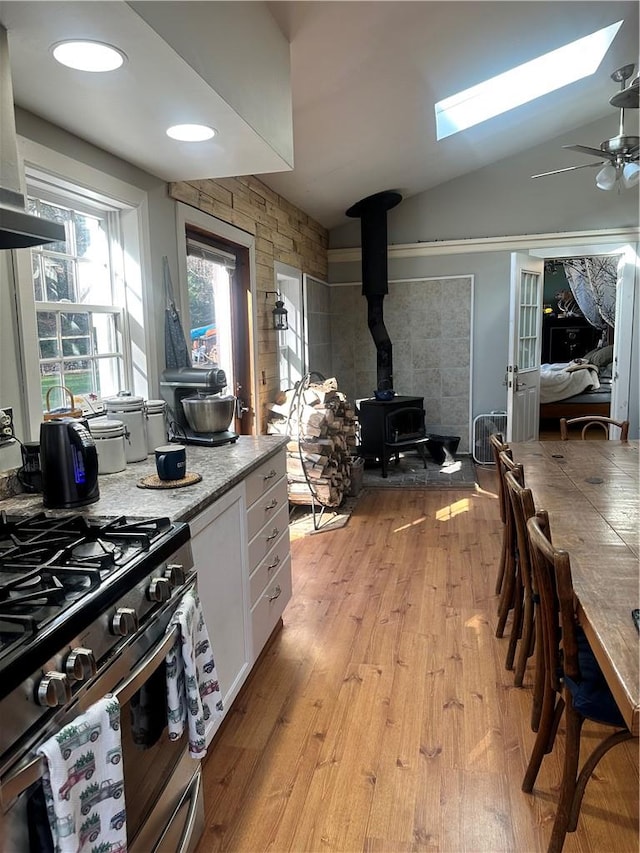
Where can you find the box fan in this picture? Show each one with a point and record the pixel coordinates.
(483, 427)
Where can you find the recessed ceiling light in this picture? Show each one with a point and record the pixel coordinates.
(88, 55)
(191, 132)
(523, 84)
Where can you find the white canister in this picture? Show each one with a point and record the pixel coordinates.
(156, 427)
(108, 436)
(129, 409)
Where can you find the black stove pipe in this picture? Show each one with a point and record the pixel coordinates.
(372, 212)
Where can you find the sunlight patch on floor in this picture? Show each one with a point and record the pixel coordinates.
(450, 511)
(420, 520)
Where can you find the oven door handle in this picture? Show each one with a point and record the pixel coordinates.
(138, 677)
(17, 783)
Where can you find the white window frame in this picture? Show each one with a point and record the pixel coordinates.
(293, 353)
(46, 168)
(187, 216)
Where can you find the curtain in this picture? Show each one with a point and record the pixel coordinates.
(593, 284)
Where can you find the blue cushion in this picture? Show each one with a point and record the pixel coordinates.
(591, 696)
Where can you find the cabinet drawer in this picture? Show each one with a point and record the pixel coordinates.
(267, 507)
(269, 607)
(261, 544)
(267, 568)
(263, 478)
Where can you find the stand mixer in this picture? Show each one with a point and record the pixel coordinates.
(192, 382)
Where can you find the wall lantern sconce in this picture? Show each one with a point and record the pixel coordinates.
(280, 322)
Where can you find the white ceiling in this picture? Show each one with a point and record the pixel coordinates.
(364, 78)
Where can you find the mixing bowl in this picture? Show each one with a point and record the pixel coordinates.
(208, 412)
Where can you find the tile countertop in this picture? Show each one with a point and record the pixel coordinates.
(221, 469)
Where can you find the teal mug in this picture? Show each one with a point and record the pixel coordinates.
(171, 461)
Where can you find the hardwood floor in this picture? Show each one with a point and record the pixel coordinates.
(381, 718)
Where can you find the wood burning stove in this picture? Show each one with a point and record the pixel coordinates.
(373, 423)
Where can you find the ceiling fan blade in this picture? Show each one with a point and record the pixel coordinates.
(567, 169)
(594, 152)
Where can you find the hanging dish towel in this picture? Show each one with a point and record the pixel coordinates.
(193, 692)
(83, 782)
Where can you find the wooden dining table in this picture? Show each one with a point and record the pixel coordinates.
(591, 491)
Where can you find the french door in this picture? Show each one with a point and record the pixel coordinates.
(523, 369)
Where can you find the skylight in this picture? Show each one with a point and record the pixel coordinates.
(524, 83)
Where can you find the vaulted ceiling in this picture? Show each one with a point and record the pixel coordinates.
(364, 80)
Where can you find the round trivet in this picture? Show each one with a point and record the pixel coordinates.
(154, 482)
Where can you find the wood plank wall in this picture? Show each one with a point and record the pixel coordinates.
(283, 233)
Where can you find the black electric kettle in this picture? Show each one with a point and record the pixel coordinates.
(69, 462)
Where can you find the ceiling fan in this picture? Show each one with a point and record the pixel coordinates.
(618, 164)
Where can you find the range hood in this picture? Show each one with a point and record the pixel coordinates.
(18, 229)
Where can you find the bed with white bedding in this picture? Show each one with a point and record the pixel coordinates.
(560, 381)
(574, 389)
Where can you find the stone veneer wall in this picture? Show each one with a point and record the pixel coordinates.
(429, 323)
(282, 233)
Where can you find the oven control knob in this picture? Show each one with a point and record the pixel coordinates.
(54, 690)
(175, 574)
(124, 622)
(80, 664)
(159, 590)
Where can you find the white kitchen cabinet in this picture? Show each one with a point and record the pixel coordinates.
(218, 540)
(241, 552)
(269, 559)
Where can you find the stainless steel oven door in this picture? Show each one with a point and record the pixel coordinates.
(158, 772)
(162, 782)
(177, 822)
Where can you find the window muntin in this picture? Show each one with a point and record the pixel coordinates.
(528, 320)
(80, 327)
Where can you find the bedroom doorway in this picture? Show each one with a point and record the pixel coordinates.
(626, 306)
(568, 335)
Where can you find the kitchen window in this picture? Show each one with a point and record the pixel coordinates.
(81, 328)
(80, 301)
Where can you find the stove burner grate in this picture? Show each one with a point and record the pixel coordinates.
(54, 568)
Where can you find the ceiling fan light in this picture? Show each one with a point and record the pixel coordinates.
(631, 175)
(606, 177)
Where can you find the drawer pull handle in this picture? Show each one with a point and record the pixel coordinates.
(271, 505)
(270, 475)
(274, 533)
(277, 592)
(275, 563)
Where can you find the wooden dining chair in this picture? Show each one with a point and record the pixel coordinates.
(497, 447)
(511, 596)
(589, 421)
(531, 635)
(574, 682)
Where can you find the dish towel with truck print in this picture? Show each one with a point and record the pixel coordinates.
(193, 692)
(83, 782)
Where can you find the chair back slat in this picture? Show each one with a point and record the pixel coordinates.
(552, 578)
(498, 447)
(507, 465)
(590, 421)
(523, 509)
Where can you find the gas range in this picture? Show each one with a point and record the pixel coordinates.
(73, 590)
